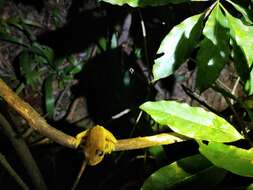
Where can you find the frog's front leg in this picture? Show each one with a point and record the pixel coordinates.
(111, 141)
(81, 136)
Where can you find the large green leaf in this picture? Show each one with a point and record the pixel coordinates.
(193, 122)
(142, 3)
(231, 158)
(194, 172)
(214, 50)
(245, 13)
(215, 26)
(240, 62)
(242, 36)
(177, 46)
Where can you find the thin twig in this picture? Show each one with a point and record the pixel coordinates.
(222, 85)
(24, 154)
(217, 88)
(227, 95)
(197, 98)
(234, 88)
(235, 85)
(136, 123)
(145, 43)
(158, 85)
(125, 30)
(5, 164)
(239, 121)
(210, 8)
(84, 164)
(120, 114)
(145, 69)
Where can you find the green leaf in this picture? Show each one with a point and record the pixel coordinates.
(12, 39)
(177, 46)
(231, 158)
(31, 23)
(193, 122)
(250, 187)
(194, 172)
(102, 42)
(245, 13)
(240, 62)
(114, 42)
(14, 21)
(216, 24)
(214, 50)
(243, 36)
(75, 67)
(249, 84)
(242, 39)
(158, 153)
(210, 62)
(142, 3)
(43, 51)
(49, 96)
(242, 67)
(19, 23)
(28, 69)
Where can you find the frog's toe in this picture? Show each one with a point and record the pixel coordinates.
(110, 148)
(80, 136)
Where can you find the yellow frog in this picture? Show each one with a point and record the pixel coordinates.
(98, 141)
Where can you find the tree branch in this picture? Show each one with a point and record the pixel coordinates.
(148, 141)
(40, 125)
(37, 122)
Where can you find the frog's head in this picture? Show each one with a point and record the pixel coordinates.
(98, 142)
(95, 146)
(94, 156)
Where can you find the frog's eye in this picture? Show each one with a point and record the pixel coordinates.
(99, 153)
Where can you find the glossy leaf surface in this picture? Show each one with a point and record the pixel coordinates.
(214, 49)
(242, 36)
(231, 158)
(194, 172)
(177, 46)
(193, 122)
